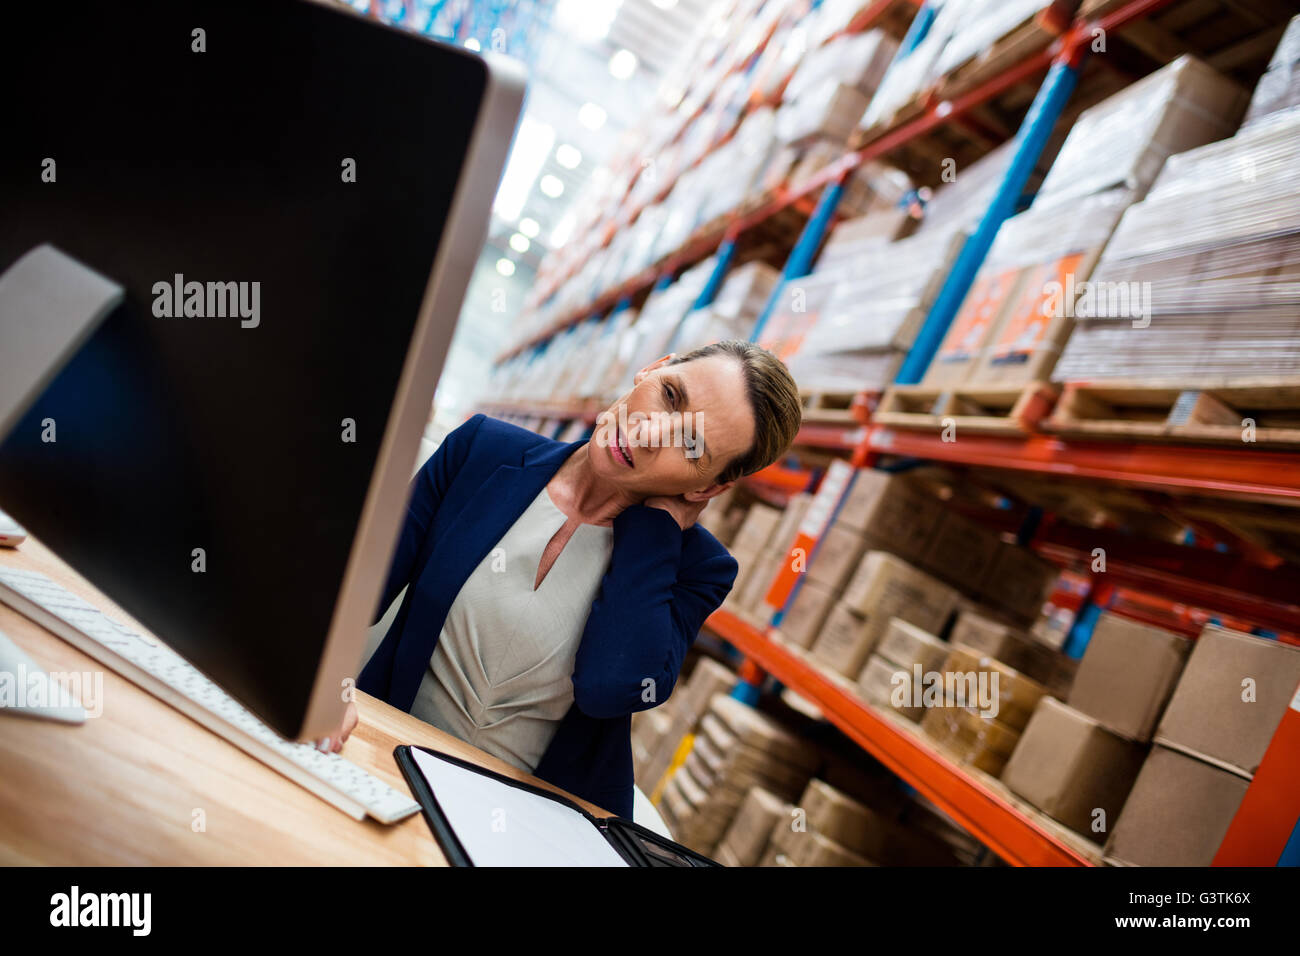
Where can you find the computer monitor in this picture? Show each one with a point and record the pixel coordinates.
(291, 198)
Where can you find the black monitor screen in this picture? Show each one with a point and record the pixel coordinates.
(268, 181)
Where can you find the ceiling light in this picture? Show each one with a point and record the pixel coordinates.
(622, 64)
(533, 144)
(519, 243)
(472, 44)
(568, 156)
(587, 20)
(505, 267)
(591, 116)
(551, 186)
(529, 227)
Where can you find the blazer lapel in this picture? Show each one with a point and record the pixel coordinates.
(463, 545)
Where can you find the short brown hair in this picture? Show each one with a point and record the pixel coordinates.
(773, 398)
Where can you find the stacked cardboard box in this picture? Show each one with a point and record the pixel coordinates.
(688, 703)
(1073, 769)
(735, 748)
(746, 838)
(871, 318)
(883, 587)
(1020, 309)
(828, 827)
(1210, 740)
(1215, 251)
(732, 313)
(982, 630)
(829, 91)
(889, 679)
(1127, 675)
(977, 707)
(1279, 88)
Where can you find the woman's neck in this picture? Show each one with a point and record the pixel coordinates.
(584, 496)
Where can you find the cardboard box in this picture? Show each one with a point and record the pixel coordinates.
(1071, 767)
(758, 583)
(747, 560)
(906, 645)
(1213, 715)
(1018, 582)
(838, 554)
(960, 551)
(892, 512)
(1177, 813)
(878, 680)
(829, 110)
(805, 616)
(883, 587)
(756, 530)
(809, 849)
(1127, 675)
(1016, 694)
(793, 515)
(1011, 645)
(981, 742)
(746, 838)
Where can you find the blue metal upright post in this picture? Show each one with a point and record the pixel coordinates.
(801, 256)
(726, 252)
(1032, 136)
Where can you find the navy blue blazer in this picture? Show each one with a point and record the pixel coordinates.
(660, 585)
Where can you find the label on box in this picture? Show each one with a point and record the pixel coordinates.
(1043, 299)
(835, 485)
(971, 325)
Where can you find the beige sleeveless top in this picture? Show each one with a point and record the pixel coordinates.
(501, 675)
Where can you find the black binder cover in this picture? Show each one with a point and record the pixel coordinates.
(633, 842)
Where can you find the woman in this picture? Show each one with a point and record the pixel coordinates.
(554, 588)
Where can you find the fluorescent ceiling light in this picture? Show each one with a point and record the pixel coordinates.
(529, 227)
(519, 243)
(622, 64)
(591, 116)
(563, 230)
(551, 186)
(586, 20)
(505, 267)
(568, 156)
(533, 144)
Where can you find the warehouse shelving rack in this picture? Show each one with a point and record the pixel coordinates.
(1265, 827)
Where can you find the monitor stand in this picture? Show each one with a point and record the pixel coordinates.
(49, 305)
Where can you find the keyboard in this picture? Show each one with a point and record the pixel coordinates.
(167, 675)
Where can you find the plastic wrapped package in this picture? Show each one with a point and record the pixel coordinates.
(911, 73)
(746, 290)
(1125, 139)
(858, 61)
(959, 205)
(882, 294)
(606, 366)
(660, 316)
(1214, 255)
(829, 110)
(982, 25)
(1279, 87)
(845, 371)
(1051, 252)
(799, 303)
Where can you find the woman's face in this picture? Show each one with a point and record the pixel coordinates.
(679, 424)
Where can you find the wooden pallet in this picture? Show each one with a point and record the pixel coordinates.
(988, 409)
(1212, 413)
(837, 407)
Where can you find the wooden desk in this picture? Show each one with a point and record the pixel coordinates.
(122, 788)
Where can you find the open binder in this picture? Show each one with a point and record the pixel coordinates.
(483, 818)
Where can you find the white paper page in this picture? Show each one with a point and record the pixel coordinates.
(501, 825)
